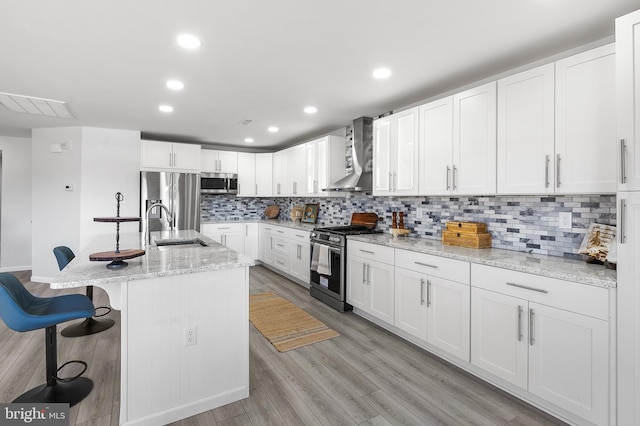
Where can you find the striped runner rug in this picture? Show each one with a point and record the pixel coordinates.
(285, 325)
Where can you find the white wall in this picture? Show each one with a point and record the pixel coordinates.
(15, 218)
(98, 163)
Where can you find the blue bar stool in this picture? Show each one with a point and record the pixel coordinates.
(64, 255)
(22, 311)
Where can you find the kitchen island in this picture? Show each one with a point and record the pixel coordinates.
(184, 323)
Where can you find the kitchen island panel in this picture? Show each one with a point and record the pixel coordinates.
(167, 380)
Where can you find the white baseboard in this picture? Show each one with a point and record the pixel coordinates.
(15, 268)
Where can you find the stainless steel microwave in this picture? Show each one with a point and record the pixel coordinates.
(218, 183)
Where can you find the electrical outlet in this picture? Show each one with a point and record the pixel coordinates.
(564, 220)
(190, 336)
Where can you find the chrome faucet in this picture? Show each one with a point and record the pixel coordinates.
(169, 219)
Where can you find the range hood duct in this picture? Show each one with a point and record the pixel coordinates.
(361, 159)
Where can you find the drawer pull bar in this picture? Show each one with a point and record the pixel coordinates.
(426, 264)
(623, 165)
(422, 291)
(367, 251)
(280, 245)
(520, 335)
(532, 339)
(428, 293)
(539, 290)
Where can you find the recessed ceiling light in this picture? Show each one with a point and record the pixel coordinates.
(175, 85)
(165, 108)
(311, 110)
(273, 129)
(381, 73)
(248, 140)
(188, 41)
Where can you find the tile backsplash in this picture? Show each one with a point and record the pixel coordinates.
(522, 223)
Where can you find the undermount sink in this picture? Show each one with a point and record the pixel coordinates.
(170, 244)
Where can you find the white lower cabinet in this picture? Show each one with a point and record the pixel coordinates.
(299, 255)
(286, 249)
(429, 307)
(545, 337)
(251, 242)
(370, 280)
(228, 234)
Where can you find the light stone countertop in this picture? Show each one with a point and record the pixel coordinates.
(276, 222)
(155, 263)
(548, 266)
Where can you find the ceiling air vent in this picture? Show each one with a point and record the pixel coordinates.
(36, 106)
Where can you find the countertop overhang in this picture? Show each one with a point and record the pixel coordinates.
(155, 263)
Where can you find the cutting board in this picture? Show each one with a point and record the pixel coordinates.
(364, 219)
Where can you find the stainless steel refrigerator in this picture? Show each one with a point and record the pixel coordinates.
(179, 192)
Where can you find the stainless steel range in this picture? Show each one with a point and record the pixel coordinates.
(329, 261)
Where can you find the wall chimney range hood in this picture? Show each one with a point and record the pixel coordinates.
(360, 158)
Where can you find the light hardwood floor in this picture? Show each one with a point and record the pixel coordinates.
(366, 376)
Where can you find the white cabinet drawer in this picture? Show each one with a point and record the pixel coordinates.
(281, 261)
(280, 245)
(442, 267)
(374, 252)
(221, 228)
(298, 235)
(579, 298)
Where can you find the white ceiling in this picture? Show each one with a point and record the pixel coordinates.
(266, 60)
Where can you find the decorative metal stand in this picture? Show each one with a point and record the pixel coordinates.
(118, 256)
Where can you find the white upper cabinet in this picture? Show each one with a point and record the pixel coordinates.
(246, 174)
(458, 143)
(294, 161)
(324, 164)
(170, 156)
(219, 161)
(474, 141)
(280, 174)
(264, 175)
(526, 152)
(395, 152)
(628, 101)
(436, 147)
(586, 122)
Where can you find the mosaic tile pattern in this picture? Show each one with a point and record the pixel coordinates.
(521, 223)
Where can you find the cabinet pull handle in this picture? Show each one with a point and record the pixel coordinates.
(295, 187)
(390, 181)
(532, 339)
(426, 264)
(422, 291)
(623, 163)
(278, 189)
(280, 245)
(298, 235)
(368, 274)
(526, 287)
(170, 160)
(453, 181)
(281, 232)
(428, 293)
(623, 220)
(520, 333)
(256, 189)
(224, 227)
(246, 231)
(280, 263)
(395, 181)
(558, 170)
(271, 243)
(448, 178)
(364, 273)
(367, 251)
(546, 171)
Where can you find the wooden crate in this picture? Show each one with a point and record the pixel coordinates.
(466, 239)
(474, 227)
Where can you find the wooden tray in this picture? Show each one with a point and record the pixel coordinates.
(106, 256)
(474, 227)
(271, 212)
(364, 219)
(466, 239)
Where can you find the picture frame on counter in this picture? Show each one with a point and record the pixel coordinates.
(310, 213)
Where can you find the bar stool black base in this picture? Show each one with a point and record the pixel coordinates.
(60, 392)
(87, 327)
